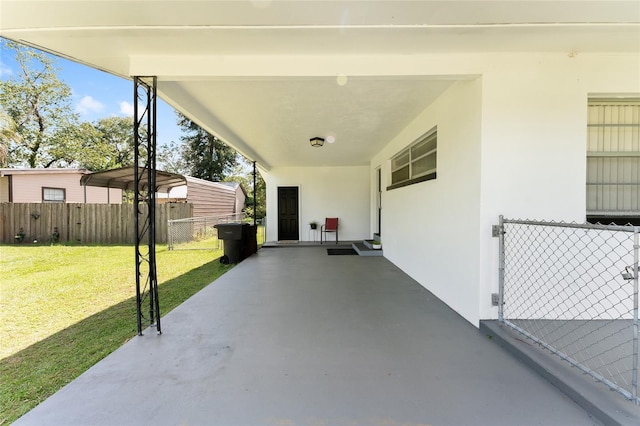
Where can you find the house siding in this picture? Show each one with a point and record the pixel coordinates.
(27, 185)
(240, 199)
(5, 194)
(210, 198)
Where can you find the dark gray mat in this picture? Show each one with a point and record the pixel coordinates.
(341, 252)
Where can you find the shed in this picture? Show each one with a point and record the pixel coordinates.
(208, 198)
(123, 178)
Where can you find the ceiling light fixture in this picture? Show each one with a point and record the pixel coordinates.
(316, 142)
(331, 139)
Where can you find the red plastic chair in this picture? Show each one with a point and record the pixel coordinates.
(330, 225)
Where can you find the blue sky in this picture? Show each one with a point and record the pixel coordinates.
(97, 94)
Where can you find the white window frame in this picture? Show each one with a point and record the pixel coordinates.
(414, 176)
(613, 160)
(55, 199)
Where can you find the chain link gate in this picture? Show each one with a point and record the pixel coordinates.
(198, 233)
(573, 289)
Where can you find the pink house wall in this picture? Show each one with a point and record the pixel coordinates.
(26, 187)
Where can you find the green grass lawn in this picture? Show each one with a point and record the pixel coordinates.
(65, 307)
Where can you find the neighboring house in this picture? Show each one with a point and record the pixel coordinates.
(444, 115)
(208, 198)
(52, 185)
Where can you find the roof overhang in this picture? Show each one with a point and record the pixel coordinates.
(267, 76)
(124, 178)
(43, 171)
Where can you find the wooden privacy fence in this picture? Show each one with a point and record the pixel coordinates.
(84, 223)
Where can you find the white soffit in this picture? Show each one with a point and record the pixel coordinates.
(263, 75)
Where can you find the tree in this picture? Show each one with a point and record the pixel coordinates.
(206, 156)
(40, 106)
(8, 135)
(243, 173)
(170, 158)
(110, 145)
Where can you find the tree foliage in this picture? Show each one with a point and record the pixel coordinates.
(39, 128)
(170, 158)
(39, 105)
(8, 134)
(206, 156)
(107, 144)
(243, 174)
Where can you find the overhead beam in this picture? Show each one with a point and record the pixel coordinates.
(179, 13)
(220, 67)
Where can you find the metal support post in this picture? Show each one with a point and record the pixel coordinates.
(636, 273)
(255, 203)
(144, 110)
(501, 269)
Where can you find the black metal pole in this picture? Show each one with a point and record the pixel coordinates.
(154, 302)
(255, 202)
(145, 200)
(136, 200)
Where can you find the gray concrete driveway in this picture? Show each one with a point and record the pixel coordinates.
(292, 336)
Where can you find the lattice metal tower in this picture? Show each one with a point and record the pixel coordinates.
(145, 201)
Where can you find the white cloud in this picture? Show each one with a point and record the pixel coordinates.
(126, 108)
(88, 105)
(5, 71)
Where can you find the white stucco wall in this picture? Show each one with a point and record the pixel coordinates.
(430, 229)
(341, 192)
(534, 137)
(512, 142)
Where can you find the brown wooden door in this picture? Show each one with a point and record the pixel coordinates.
(288, 213)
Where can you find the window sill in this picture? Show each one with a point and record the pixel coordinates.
(430, 176)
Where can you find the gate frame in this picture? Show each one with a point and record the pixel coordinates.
(500, 232)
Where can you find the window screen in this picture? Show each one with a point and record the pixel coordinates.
(53, 195)
(416, 163)
(613, 159)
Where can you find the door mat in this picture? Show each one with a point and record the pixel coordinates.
(341, 252)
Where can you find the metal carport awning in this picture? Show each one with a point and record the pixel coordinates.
(124, 177)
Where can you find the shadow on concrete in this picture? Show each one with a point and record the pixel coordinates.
(38, 371)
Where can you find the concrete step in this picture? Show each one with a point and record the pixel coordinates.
(369, 244)
(607, 406)
(366, 250)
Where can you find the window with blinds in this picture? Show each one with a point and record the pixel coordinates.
(417, 163)
(53, 195)
(613, 160)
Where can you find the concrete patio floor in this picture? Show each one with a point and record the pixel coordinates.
(292, 336)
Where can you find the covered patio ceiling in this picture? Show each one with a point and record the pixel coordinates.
(266, 76)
